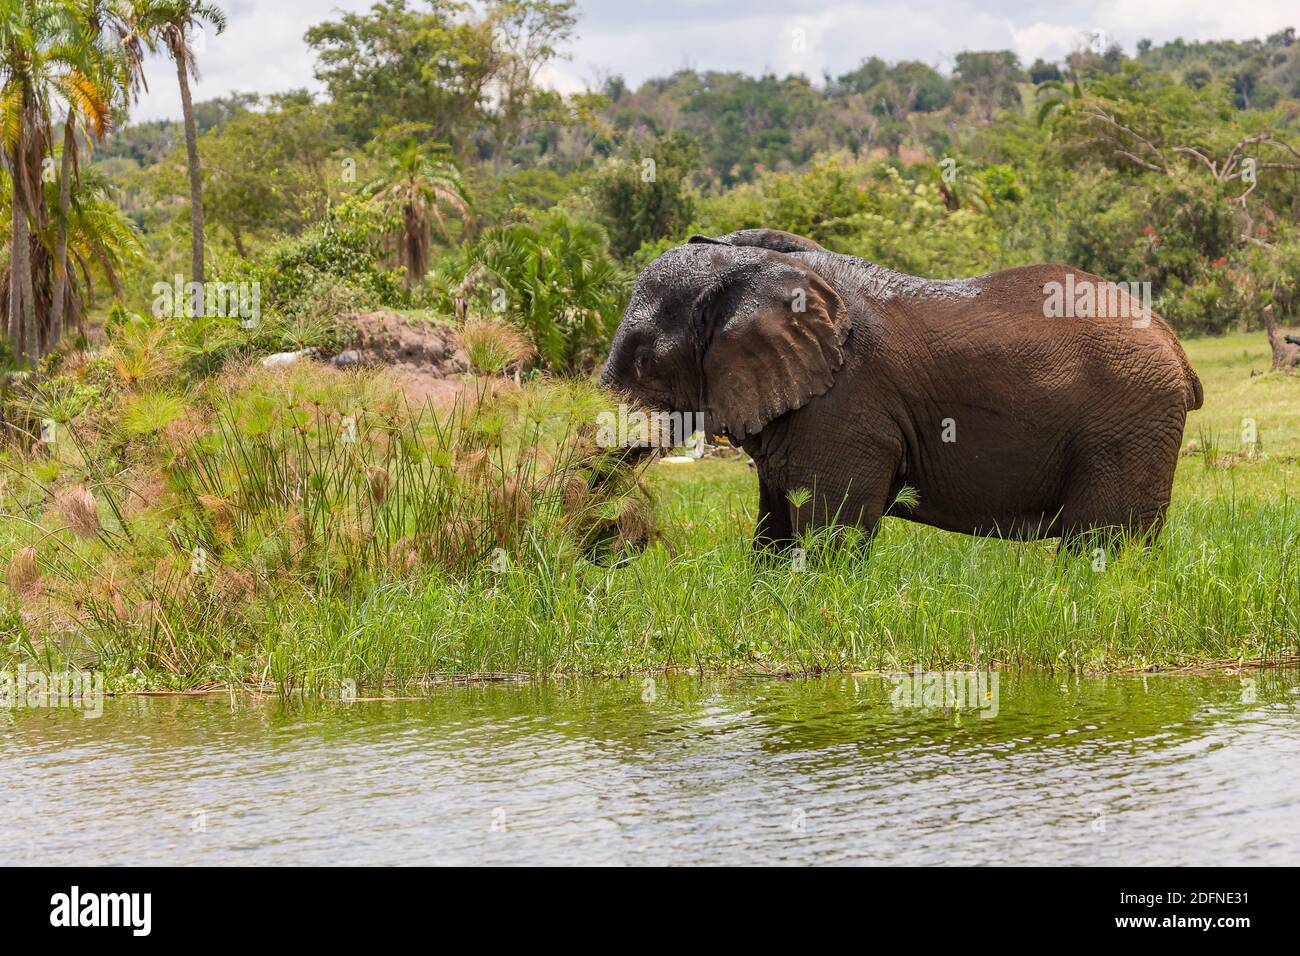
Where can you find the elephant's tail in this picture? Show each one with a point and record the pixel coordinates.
(1195, 394)
(1191, 382)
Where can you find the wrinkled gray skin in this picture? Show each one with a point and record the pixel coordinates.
(848, 380)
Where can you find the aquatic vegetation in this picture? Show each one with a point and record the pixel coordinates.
(303, 526)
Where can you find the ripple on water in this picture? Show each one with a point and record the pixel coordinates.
(1113, 770)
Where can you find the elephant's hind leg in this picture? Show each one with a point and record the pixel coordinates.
(1120, 488)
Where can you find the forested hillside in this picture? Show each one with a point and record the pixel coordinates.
(444, 169)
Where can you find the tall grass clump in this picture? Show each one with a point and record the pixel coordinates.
(276, 487)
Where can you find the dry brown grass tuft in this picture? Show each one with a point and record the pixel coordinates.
(512, 504)
(23, 574)
(404, 555)
(495, 347)
(575, 494)
(183, 432)
(377, 482)
(77, 509)
(232, 586)
(636, 526)
(472, 467)
(144, 490)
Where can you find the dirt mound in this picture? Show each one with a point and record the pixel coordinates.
(400, 341)
(426, 355)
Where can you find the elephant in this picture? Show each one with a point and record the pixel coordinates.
(845, 382)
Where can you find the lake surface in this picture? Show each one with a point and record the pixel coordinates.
(1113, 770)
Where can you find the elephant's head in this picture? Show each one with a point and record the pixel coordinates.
(731, 328)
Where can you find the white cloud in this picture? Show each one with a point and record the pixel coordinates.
(1050, 41)
(263, 49)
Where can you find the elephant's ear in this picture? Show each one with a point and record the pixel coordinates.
(774, 334)
(775, 239)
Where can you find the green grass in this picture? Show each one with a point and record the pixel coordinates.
(1221, 586)
(1216, 590)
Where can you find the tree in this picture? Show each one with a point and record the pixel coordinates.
(271, 170)
(743, 122)
(1174, 131)
(896, 90)
(43, 54)
(1245, 82)
(527, 35)
(1042, 72)
(395, 65)
(467, 72)
(642, 198)
(991, 77)
(173, 24)
(101, 77)
(614, 87)
(99, 238)
(417, 184)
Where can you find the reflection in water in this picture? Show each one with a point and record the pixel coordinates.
(1132, 770)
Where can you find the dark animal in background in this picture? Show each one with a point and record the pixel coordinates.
(1286, 348)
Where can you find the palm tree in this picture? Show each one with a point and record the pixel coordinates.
(127, 19)
(99, 235)
(563, 288)
(172, 23)
(420, 185)
(101, 238)
(37, 54)
(89, 93)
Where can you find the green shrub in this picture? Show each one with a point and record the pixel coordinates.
(554, 278)
(344, 250)
(1215, 301)
(646, 195)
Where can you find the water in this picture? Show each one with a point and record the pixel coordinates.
(1113, 770)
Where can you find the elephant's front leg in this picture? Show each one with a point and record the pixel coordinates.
(828, 499)
(774, 531)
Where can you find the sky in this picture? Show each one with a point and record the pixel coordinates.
(262, 49)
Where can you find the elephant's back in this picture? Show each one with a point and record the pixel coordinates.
(1025, 330)
(1110, 328)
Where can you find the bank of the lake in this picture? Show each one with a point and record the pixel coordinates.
(1219, 589)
